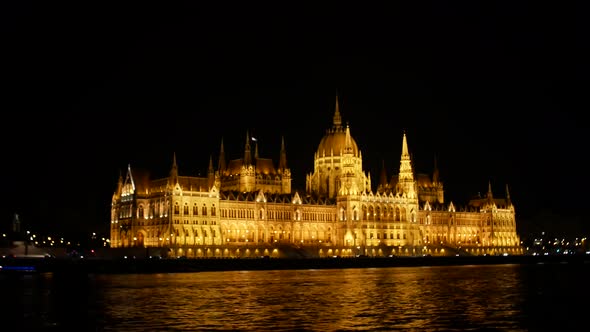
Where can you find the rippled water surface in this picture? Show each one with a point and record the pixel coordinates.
(445, 298)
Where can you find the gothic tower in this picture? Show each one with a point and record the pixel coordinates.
(284, 171)
(247, 176)
(406, 185)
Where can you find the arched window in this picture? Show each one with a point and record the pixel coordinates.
(213, 210)
(195, 210)
(185, 209)
(140, 211)
(176, 209)
(204, 210)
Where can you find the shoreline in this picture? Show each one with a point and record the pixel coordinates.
(157, 265)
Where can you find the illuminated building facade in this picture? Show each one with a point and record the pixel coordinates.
(245, 208)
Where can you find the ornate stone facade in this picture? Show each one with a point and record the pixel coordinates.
(245, 208)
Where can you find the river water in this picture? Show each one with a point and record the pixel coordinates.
(440, 298)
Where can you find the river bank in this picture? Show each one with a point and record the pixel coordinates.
(159, 265)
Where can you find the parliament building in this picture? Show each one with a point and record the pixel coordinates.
(245, 208)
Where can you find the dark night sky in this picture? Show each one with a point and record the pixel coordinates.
(496, 91)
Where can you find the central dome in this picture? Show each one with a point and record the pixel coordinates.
(335, 140)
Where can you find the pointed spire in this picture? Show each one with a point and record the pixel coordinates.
(489, 189)
(120, 183)
(211, 174)
(406, 173)
(211, 170)
(435, 174)
(174, 170)
(507, 195)
(405, 146)
(337, 120)
(256, 150)
(283, 157)
(383, 177)
(221, 165)
(348, 141)
(247, 152)
(129, 177)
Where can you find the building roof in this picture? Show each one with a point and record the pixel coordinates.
(335, 141)
(263, 166)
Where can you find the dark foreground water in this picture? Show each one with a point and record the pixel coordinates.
(443, 298)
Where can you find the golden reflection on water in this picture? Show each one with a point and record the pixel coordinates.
(424, 298)
(445, 298)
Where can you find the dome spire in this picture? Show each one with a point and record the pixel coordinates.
(337, 120)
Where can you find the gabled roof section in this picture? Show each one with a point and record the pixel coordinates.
(129, 183)
(296, 198)
(233, 195)
(451, 207)
(136, 181)
(260, 197)
(214, 192)
(318, 200)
